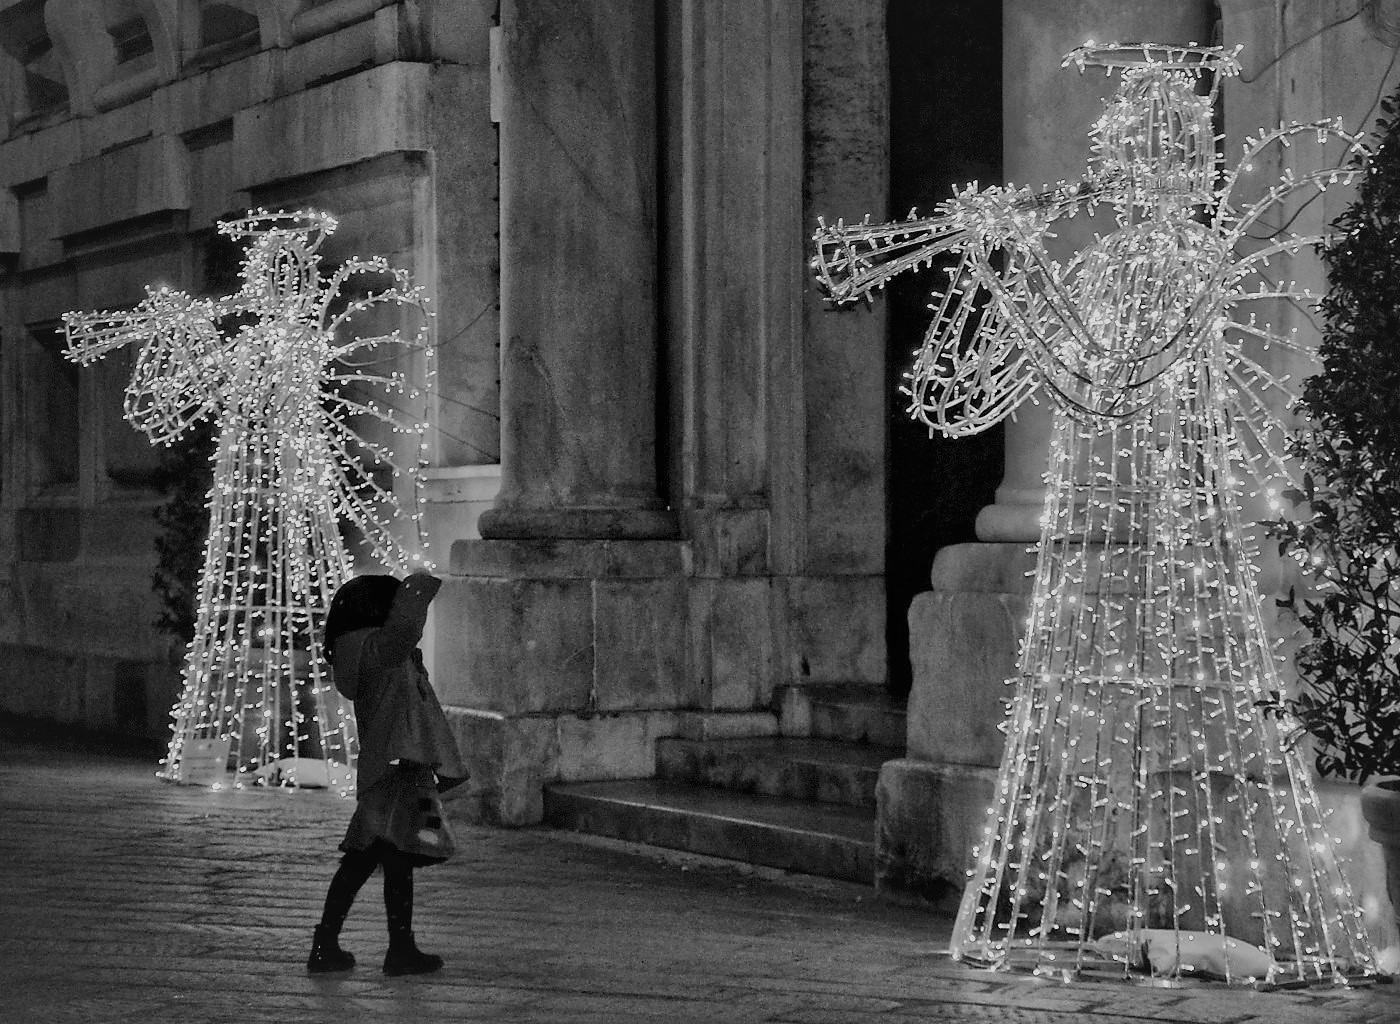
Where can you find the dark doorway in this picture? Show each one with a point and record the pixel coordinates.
(945, 130)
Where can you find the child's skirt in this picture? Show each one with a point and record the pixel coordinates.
(405, 811)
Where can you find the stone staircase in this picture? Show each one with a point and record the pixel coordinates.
(801, 797)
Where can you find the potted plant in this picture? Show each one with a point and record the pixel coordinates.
(1346, 532)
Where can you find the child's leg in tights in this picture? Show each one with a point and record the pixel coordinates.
(355, 869)
(404, 956)
(398, 897)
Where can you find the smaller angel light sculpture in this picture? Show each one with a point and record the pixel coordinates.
(272, 366)
(1149, 811)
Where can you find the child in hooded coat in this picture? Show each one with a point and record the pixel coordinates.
(407, 756)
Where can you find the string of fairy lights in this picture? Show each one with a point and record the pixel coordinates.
(1146, 799)
(312, 415)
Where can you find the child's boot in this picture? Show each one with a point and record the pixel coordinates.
(326, 954)
(404, 956)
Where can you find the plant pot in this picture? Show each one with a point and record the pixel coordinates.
(1363, 863)
(1380, 806)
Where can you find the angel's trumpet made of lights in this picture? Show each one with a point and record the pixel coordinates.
(278, 371)
(1148, 799)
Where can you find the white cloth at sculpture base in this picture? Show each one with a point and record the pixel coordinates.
(1166, 952)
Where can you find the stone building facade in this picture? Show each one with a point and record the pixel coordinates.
(697, 472)
(691, 513)
(127, 129)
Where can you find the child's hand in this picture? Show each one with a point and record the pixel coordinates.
(444, 783)
(423, 582)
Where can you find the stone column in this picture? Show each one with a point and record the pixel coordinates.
(1047, 111)
(846, 85)
(578, 273)
(563, 629)
(965, 633)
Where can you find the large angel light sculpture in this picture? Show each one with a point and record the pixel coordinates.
(1149, 811)
(275, 370)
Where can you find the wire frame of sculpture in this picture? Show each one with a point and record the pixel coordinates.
(277, 370)
(1148, 789)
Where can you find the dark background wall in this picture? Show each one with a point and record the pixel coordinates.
(945, 130)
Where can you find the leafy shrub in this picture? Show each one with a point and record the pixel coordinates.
(184, 478)
(1347, 527)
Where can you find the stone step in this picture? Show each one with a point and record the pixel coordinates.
(830, 840)
(855, 714)
(827, 771)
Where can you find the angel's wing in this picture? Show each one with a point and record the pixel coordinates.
(381, 325)
(1263, 394)
(359, 467)
(971, 372)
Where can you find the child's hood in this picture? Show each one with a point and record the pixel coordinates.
(345, 662)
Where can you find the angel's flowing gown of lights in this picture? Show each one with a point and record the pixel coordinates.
(1146, 782)
(282, 387)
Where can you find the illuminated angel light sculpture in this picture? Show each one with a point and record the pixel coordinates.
(1149, 810)
(273, 368)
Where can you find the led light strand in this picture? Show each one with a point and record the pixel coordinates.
(1147, 788)
(284, 375)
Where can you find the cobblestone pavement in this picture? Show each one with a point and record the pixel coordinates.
(124, 899)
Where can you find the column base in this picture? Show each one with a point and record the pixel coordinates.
(928, 818)
(1010, 522)
(964, 642)
(585, 523)
(513, 757)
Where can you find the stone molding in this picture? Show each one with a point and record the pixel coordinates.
(85, 50)
(96, 82)
(339, 123)
(318, 19)
(145, 178)
(9, 226)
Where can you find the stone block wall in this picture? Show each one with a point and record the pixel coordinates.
(965, 635)
(565, 660)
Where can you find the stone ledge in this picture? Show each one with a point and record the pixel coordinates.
(135, 181)
(720, 725)
(997, 568)
(512, 522)
(568, 559)
(343, 122)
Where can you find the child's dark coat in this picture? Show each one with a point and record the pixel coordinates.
(396, 710)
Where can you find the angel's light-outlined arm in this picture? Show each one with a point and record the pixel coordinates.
(179, 368)
(853, 261)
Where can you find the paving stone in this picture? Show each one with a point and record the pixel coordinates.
(126, 899)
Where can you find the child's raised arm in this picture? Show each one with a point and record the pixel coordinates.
(403, 629)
